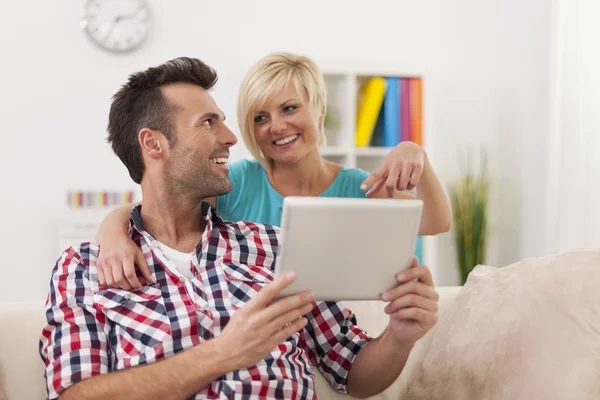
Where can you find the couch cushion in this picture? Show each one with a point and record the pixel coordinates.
(528, 330)
(21, 368)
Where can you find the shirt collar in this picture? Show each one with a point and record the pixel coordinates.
(209, 213)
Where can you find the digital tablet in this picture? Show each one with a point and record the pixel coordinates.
(346, 249)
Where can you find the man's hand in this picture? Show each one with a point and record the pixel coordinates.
(261, 325)
(413, 304)
(412, 308)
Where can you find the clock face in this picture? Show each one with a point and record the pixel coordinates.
(116, 25)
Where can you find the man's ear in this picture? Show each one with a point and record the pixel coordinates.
(150, 143)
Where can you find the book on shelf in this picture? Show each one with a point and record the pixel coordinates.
(372, 94)
(416, 111)
(405, 129)
(390, 110)
(391, 116)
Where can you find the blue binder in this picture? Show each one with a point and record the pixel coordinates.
(391, 113)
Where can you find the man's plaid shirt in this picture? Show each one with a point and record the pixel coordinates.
(94, 330)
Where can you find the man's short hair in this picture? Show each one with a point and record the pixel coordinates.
(141, 104)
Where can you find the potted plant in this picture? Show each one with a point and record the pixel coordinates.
(470, 198)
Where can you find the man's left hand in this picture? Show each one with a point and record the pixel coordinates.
(413, 304)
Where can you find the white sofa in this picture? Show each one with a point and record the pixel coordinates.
(21, 369)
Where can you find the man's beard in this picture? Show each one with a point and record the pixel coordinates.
(200, 183)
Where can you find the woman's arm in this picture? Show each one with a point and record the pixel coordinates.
(437, 209)
(115, 220)
(407, 167)
(119, 255)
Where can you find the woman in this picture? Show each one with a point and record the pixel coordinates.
(281, 112)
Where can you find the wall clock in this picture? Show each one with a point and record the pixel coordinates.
(116, 25)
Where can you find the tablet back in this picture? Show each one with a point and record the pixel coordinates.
(346, 249)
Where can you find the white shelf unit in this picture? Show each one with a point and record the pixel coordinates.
(342, 96)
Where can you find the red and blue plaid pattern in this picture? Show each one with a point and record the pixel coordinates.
(94, 330)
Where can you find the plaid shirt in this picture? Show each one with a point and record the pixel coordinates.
(94, 330)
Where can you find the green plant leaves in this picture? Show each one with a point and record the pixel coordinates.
(470, 200)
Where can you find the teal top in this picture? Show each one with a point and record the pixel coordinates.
(252, 198)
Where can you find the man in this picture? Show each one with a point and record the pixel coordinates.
(213, 330)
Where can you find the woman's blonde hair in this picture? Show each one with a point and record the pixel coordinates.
(265, 77)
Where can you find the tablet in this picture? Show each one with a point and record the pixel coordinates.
(346, 249)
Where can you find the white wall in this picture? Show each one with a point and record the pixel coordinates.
(487, 60)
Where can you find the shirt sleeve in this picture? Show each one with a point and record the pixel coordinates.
(74, 341)
(332, 341)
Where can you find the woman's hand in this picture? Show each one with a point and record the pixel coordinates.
(117, 261)
(119, 255)
(401, 170)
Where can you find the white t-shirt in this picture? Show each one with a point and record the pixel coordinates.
(181, 260)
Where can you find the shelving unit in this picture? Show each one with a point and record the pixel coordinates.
(340, 126)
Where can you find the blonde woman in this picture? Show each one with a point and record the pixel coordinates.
(281, 112)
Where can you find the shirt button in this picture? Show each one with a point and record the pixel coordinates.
(127, 296)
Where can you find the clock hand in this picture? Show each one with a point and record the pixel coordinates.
(120, 18)
(110, 31)
(117, 19)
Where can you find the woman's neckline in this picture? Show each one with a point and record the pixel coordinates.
(340, 168)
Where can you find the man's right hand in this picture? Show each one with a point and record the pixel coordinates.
(261, 325)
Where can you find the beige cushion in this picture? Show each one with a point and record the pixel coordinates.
(530, 330)
(21, 368)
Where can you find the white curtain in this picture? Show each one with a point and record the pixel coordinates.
(574, 134)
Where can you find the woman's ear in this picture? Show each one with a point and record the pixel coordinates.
(322, 115)
(150, 143)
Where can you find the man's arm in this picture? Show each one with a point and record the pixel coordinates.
(377, 366)
(413, 312)
(74, 343)
(177, 377)
(332, 341)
